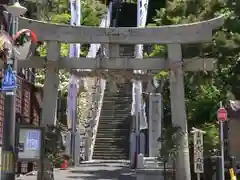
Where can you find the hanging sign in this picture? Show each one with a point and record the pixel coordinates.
(9, 82)
(198, 151)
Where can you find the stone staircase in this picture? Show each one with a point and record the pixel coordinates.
(112, 141)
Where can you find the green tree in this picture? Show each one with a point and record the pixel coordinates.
(169, 142)
(203, 90)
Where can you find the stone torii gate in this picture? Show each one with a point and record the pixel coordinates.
(173, 36)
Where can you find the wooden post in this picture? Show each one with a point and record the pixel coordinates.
(51, 84)
(178, 109)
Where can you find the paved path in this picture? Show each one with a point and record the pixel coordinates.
(95, 171)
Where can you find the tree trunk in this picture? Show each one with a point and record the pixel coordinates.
(48, 171)
(164, 170)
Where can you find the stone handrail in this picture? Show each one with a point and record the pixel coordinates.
(87, 100)
(100, 95)
(99, 92)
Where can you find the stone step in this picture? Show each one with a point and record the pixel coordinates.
(114, 147)
(120, 98)
(111, 157)
(113, 99)
(122, 143)
(113, 103)
(111, 139)
(109, 134)
(108, 115)
(114, 118)
(114, 124)
(114, 114)
(114, 144)
(111, 153)
(112, 127)
(120, 149)
(100, 142)
(109, 144)
(111, 111)
(113, 121)
(118, 118)
(112, 135)
(112, 130)
(124, 109)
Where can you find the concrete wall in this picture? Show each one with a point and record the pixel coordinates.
(234, 135)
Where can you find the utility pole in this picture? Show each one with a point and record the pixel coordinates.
(8, 150)
(222, 117)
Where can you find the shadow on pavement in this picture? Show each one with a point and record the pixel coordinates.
(111, 173)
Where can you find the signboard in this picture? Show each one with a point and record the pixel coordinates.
(222, 114)
(9, 82)
(29, 143)
(198, 152)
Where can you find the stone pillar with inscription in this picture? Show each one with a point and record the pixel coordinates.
(155, 123)
(198, 151)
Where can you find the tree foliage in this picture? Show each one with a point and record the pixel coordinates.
(204, 90)
(58, 12)
(169, 142)
(169, 145)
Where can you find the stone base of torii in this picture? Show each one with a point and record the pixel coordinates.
(173, 36)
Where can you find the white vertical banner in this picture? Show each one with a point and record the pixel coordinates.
(74, 51)
(198, 152)
(137, 85)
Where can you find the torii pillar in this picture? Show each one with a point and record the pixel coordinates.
(173, 36)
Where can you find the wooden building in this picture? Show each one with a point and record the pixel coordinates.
(28, 100)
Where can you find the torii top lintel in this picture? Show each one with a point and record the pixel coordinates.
(184, 33)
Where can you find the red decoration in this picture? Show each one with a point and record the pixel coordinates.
(64, 165)
(25, 42)
(26, 31)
